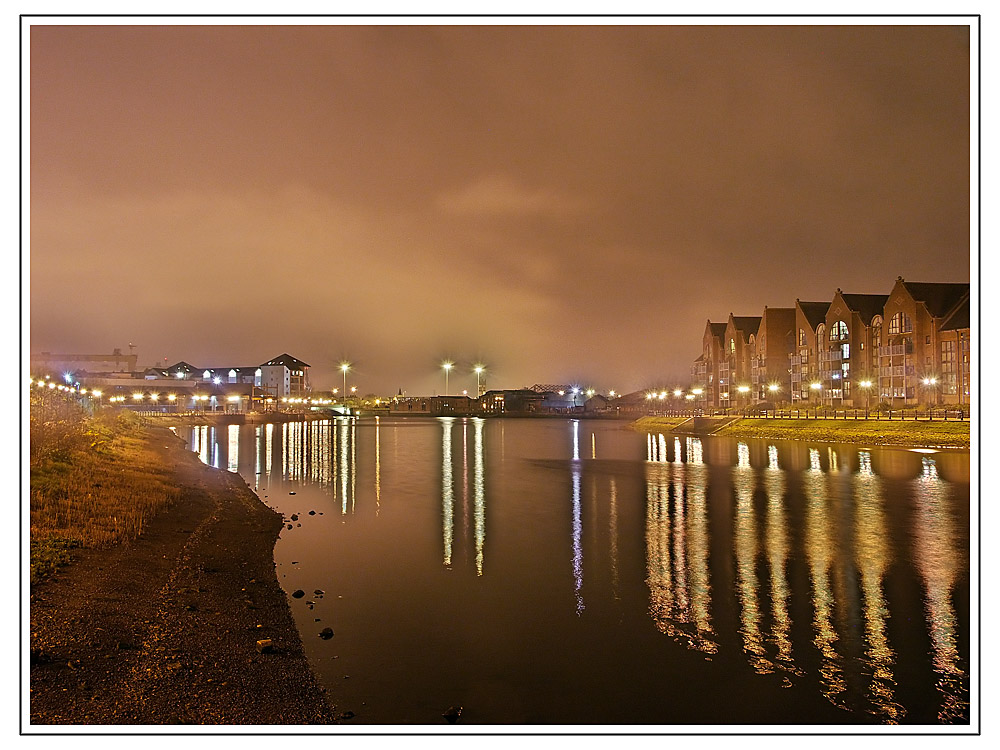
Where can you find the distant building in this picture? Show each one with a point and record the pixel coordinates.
(916, 346)
(520, 401)
(771, 346)
(735, 366)
(285, 376)
(705, 372)
(849, 350)
(810, 318)
(911, 346)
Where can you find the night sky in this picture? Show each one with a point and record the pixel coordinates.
(565, 204)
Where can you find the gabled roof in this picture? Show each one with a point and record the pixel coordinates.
(747, 325)
(815, 312)
(549, 388)
(959, 317)
(940, 299)
(287, 360)
(226, 370)
(181, 366)
(866, 305)
(718, 329)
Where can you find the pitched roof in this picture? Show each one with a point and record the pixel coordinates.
(940, 299)
(959, 317)
(815, 312)
(288, 361)
(181, 366)
(747, 325)
(866, 305)
(718, 329)
(225, 370)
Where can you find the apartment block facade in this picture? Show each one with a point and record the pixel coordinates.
(911, 346)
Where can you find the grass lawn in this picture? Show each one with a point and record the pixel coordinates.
(870, 432)
(94, 481)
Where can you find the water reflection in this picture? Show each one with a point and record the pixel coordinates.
(829, 568)
(873, 556)
(821, 551)
(677, 546)
(478, 490)
(447, 490)
(575, 474)
(939, 566)
(777, 546)
(745, 551)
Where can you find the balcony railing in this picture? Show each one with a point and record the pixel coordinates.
(895, 351)
(831, 356)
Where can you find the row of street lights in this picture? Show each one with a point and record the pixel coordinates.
(447, 366)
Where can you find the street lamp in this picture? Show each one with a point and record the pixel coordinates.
(479, 370)
(344, 367)
(867, 385)
(816, 387)
(744, 390)
(447, 371)
(930, 382)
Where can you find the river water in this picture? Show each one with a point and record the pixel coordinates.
(575, 572)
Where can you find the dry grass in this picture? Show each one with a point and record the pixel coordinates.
(94, 480)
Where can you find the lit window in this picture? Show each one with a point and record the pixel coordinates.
(838, 331)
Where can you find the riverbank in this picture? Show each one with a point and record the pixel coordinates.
(909, 434)
(181, 623)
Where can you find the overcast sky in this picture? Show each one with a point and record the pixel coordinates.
(564, 204)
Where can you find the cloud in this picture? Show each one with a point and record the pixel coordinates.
(500, 196)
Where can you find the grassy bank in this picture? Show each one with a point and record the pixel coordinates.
(94, 481)
(870, 432)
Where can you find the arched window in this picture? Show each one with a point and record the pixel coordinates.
(838, 331)
(820, 332)
(876, 332)
(900, 323)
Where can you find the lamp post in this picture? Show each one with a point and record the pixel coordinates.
(816, 387)
(867, 385)
(929, 383)
(743, 391)
(344, 367)
(478, 369)
(773, 389)
(447, 371)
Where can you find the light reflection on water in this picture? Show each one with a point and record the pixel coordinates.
(801, 543)
(940, 565)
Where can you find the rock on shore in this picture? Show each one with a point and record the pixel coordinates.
(165, 630)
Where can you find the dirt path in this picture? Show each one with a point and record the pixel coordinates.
(164, 630)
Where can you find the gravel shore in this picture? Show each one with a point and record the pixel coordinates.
(165, 630)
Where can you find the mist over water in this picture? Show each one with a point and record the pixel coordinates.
(576, 572)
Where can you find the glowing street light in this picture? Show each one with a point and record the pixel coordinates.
(479, 370)
(344, 367)
(867, 385)
(447, 371)
(929, 383)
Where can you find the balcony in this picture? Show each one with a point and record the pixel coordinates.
(895, 351)
(831, 356)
